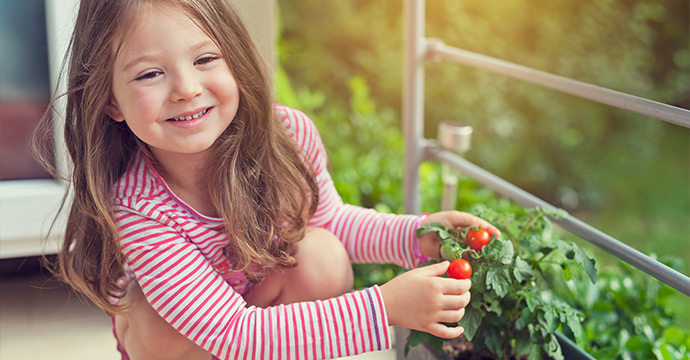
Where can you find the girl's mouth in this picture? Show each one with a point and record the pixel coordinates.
(190, 117)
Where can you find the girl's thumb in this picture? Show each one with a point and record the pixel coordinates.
(437, 269)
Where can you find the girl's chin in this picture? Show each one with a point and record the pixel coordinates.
(180, 153)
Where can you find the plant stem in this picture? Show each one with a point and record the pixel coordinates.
(526, 225)
(544, 256)
(517, 304)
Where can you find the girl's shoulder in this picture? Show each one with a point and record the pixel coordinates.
(138, 182)
(304, 132)
(296, 123)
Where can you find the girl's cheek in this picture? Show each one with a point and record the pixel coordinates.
(145, 101)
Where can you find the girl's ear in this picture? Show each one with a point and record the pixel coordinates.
(114, 112)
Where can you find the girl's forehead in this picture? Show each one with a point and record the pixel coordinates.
(155, 24)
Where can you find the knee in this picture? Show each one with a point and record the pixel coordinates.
(323, 271)
(327, 263)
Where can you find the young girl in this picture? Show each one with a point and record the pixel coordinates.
(218, 202)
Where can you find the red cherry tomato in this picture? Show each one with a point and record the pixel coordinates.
(477, 239)
(460, 269)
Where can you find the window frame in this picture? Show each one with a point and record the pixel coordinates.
(28, 207)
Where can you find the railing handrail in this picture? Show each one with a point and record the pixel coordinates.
(417, 148)
(576, 226)
(436, 50)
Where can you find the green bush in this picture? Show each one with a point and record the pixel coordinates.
(628, 315)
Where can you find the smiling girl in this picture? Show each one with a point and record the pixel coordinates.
(203, 216)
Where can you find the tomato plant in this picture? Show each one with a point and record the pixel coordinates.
(477, 239)
(460, 269)
(513, 312)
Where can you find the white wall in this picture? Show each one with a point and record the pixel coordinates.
(260, 17)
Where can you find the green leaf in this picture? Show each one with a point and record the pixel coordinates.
(479, 277)
(527, 317)
(494, 306)
(417, 337)
(532, 299)
(443, 234)
(471, 321)
(566, 272)
(436, 226)
(603, 306)
(499, 280)
(550, 317)
(523, 271)
(491, 319)
(587, 263)
(553, 348)
(436, 344)
(493, 343)
(574, 322)
(664, 351)
(556, 213)
(674, 335)
(535, 355)
(525, 346)
(636, 344)
(506, 254)
(535, 330)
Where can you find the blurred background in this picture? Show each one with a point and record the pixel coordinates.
(626, 174)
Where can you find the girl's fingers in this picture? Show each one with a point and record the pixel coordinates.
(437, 269)
(470, 220)
(455, 286)
(455, 302)
(451, 316)
(486, 225)
(445, 332)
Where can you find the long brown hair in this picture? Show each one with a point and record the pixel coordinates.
(259, 185)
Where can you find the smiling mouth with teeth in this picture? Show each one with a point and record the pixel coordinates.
(190, 117)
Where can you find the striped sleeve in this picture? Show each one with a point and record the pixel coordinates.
(184, 289)
(368, 236)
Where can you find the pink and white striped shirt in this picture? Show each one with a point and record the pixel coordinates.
(174, 252)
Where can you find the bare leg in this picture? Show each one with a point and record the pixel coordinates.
(323, 272)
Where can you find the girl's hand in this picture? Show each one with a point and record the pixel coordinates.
(429, 243)
(420, 299)
(122, 283)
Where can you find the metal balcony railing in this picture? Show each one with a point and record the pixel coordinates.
(418, 48)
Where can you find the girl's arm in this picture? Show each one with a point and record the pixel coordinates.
(368, 236)
(182, 286)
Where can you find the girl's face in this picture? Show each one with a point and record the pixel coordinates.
(172, 86)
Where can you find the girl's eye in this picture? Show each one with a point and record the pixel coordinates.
(206, 60)
(148, 75)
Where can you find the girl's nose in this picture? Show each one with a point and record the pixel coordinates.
(186, 87)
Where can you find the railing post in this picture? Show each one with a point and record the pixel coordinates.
(413, 100)
(455, 137)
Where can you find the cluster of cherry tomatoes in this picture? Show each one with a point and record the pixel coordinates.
(476, 240)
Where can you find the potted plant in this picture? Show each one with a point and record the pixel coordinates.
(513, 314)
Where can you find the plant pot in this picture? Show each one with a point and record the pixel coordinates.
(425, 352)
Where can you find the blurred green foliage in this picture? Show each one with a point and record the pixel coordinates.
(627, 314)
(626, 174)
(596, 161)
